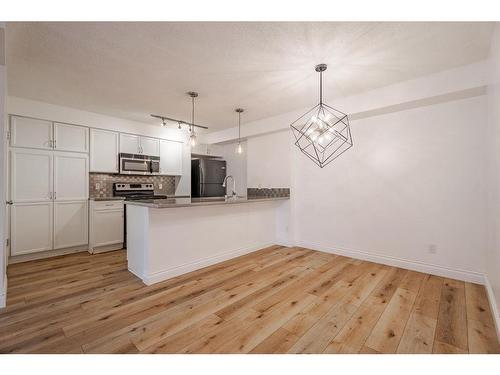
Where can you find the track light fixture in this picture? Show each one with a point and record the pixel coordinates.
(191, 125)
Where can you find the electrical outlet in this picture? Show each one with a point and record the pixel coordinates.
(160, 186)
(432, 248)
(97, 185)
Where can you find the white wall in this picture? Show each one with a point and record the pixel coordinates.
(3, 150)
(461, 82)
(416, 177)
(413, 179)
(268, 160)
(493, 253)
(236, 165)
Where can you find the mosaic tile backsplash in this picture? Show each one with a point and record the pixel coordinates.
(268, 193)
(106, 181)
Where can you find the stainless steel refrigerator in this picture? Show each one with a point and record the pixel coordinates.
(207, 176)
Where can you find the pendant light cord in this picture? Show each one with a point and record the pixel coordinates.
(320, 87)
(239, 127)
(192, 114)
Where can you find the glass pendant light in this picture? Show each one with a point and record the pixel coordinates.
(239, 149)
(322, 133)
(192, 137)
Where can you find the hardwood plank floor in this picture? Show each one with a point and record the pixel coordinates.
(275, 300)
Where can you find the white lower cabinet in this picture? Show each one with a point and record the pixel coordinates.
(31, 227)
(70, 224)
(49, 197)
(44, 226)
(106, 226)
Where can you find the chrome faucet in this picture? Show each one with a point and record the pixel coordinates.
(224, 184)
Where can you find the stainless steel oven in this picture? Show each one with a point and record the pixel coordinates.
(139, 164)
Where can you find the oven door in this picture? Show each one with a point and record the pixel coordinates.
(135, 166)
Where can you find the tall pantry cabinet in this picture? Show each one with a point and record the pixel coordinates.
(49, 169)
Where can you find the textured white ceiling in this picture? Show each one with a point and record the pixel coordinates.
(130, 70)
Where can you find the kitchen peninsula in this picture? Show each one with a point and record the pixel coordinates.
(170, 237)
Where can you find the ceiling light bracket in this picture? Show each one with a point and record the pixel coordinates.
(320, 68)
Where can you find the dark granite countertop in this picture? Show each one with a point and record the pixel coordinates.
(97, 199)
(197, 202)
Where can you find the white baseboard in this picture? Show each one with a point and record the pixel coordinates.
(493, 304)
(193, 266)
(3, 294)
(284, 242)
(452, 273)
(47, 254)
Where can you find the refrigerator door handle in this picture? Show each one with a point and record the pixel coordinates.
(201, 181)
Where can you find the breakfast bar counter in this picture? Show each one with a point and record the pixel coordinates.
(196, 202)
(170, 237)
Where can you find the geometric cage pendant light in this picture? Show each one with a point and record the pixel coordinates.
(322, 133)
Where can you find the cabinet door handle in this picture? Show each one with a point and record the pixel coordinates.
(9, 202)
(55, 143)
(50, 195)
(55, 195)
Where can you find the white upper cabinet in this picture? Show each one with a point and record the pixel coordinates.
(130, 144)
(46, 135)
(71, 138)
(135, 144)
(104, 149)
(170, 158)
(29, 132)
(71, 173)
(31, 175)
(150, 146)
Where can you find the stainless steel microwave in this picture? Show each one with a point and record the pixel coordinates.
(139, 164)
